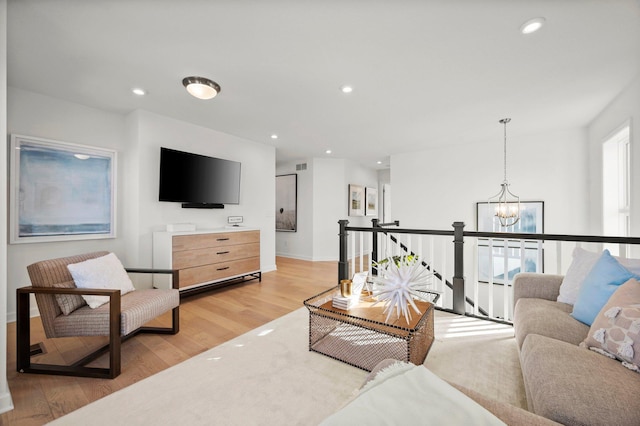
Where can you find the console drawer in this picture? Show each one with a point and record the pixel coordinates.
(223, 239)
(219, 271)
(212, 255)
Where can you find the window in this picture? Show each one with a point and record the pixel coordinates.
(615, 184)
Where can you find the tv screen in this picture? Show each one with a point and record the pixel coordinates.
(198, 179)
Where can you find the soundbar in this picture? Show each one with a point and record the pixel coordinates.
(202, 206)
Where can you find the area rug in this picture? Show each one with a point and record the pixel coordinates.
(268, 377)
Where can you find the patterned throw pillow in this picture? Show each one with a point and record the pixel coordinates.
(68, 302)
(616, 330)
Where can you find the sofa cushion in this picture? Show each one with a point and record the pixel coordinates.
(616, 329)
(604, 278)
(508, 413)
(582, 262)
(547, 318)
(561, 384)
(411, 394)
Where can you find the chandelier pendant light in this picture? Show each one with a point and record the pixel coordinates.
(200, 87)
(507, 204)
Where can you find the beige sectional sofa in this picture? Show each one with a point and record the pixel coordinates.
(563, 381)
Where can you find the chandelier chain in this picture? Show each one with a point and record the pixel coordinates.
(505, 121)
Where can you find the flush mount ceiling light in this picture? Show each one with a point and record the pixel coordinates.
(328, 151)
(138, 91)
(507, 204)
(346, 89)
(274, 136)
(532, 25)
(201, 88)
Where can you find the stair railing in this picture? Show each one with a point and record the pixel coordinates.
(460, 299)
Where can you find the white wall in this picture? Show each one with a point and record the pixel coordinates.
(5, 396)
(434, 188)
(329, 201)
(257, 194)
(625, 107)
(299, 244)
(137, 139)
(384, 195)
(322, 201)
(41, 116)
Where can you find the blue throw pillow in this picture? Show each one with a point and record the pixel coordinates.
(604, 278)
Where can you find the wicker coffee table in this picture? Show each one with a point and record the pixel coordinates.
(361, 337)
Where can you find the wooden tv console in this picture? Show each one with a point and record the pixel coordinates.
(207, 259)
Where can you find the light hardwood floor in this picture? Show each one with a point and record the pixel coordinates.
(206, 320)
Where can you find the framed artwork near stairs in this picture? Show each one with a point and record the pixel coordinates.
(498, 259)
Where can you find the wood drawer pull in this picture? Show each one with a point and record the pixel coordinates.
(222, 252)
(222, 269)
(222, 239)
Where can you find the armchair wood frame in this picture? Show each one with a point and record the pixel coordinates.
(23, 331)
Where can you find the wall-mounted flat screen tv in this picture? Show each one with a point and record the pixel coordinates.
(198, 181)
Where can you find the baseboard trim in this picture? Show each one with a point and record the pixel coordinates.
(6, 403)
(293, 256)
(33, 312)
(269, 268)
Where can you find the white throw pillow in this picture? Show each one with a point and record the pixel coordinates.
(583, 261)
(104, 272)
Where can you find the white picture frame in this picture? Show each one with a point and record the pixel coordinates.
(356, 200)
(60, 191)
(371, 201)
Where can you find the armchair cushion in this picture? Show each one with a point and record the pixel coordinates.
(138, 308)
(69, 302)
(104, 272)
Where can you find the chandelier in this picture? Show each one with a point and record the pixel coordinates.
(507, 204)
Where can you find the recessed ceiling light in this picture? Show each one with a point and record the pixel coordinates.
(378, 162)
(532, 25)
(138, 91)
(328, 151)
(82, 156)
(274, 136)
(346, 89)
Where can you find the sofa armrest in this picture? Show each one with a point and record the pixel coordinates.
(538, 286)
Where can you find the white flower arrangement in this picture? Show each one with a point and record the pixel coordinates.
(400, 280)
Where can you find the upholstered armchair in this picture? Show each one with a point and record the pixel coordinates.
(65, 313)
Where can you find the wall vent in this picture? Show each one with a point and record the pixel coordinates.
(302, 166)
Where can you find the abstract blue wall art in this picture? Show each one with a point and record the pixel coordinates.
(61, 191)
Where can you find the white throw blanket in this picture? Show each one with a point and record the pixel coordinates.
(404, 394)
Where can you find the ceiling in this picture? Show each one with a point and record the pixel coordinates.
(425, 73)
